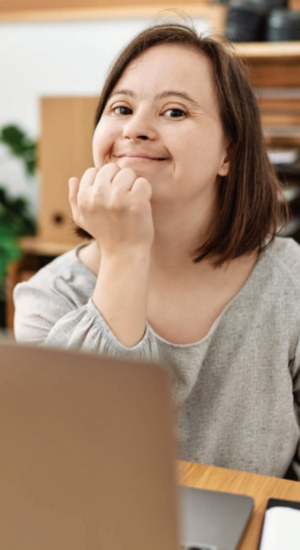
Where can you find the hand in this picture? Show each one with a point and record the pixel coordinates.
(113, 205)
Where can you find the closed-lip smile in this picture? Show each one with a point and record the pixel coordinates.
(141, 157)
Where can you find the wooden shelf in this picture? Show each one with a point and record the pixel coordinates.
(115, 9)
(271, 64)
(269, 50)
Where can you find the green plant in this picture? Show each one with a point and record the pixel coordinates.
(14, 222)
(20, 146)
(15, 219)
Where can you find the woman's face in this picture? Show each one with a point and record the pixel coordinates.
(162, 120)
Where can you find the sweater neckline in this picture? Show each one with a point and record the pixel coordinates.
(240, 295)
(245, 288)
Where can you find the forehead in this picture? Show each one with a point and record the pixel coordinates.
(170, 66)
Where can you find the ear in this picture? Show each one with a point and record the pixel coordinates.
(225, 165)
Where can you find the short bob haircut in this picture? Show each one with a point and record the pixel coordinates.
(250, 200)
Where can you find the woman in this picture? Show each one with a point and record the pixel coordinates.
(184, 266)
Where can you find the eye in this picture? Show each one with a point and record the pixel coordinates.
(122, 110)
(175, 113)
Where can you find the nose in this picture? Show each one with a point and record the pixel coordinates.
(139, 127)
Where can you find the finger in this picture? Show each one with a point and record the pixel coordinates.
(73, 192)
(73, 189)
(124, 179)
(88, 178)
(142, 188)
(107, 173)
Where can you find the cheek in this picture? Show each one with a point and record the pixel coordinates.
(102, 143)
(196, 154)
(204, 150)
(198, 162)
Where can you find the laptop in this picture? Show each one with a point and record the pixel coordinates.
(87, 459)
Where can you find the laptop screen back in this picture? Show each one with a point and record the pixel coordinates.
(87, 452)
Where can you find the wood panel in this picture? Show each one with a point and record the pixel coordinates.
(284, 73)
(67, 125)
(269, 50)
(280, 111)
(20, 5)
(261, 488)
(57, 10)
(274, 69)
(272, 64)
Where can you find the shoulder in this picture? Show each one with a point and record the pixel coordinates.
(67, 262)
(284, 255)
(64, 275)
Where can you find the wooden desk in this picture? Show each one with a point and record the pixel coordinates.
(261, 488)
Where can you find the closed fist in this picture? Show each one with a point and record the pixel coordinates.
(113, 205)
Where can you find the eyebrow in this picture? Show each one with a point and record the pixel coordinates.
(166, 93)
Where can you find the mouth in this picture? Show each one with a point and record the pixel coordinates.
(141, 158)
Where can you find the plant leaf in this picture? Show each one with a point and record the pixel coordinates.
(20, 146)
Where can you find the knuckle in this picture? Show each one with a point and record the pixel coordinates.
(109, 167)
(114, 204)
(117, 195)
(135, 209)
(90, 172)
(128, 172)
(143, 182)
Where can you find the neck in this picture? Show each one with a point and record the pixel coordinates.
(178, 233)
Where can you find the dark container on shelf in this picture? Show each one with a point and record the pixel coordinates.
(271, 4)
(283, 25)
(245, 22)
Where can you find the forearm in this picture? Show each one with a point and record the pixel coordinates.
(121, 295)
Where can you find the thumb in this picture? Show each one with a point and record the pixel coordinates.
(73, 189)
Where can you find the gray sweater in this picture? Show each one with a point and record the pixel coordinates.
(237, 390)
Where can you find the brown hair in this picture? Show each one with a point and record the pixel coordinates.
(250, 200)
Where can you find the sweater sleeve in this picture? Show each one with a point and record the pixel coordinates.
(48, 313)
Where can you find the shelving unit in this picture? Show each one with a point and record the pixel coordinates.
(272, 64)
(275, 74)
(274, 70)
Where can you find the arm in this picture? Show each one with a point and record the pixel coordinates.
(113, 205)
(52, 308)
(121, 295)
(50, 311)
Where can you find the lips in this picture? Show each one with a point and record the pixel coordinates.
(141, 157)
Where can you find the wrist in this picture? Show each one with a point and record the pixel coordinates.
(127, 255)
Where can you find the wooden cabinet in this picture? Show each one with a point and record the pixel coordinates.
(67, 126)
